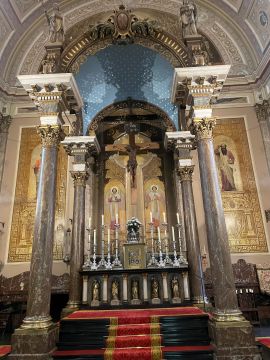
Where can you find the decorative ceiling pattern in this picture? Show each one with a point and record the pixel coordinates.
(259, 21)
(119, 72)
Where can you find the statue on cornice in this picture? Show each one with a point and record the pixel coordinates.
(188, 15)
(55, 22)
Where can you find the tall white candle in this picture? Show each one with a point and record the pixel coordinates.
(90, 222)
(151, 217)
(109, 240)
(159, 236)
(178, 218)
(102, 220)
(116, 218)
(164, 217)
(173, 234)
(95, 237)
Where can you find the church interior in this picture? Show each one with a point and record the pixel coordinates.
(135, 179)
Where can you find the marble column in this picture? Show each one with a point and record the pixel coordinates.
(226, 305)
(263, 115)
(37, 336)
(232, 335)
(5, 121)
(38, 304)
(80, 148)
(182, 142)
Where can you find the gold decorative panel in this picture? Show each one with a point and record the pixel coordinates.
(239, 193)
(21, 236)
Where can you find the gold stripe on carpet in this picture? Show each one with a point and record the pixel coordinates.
(156, 353)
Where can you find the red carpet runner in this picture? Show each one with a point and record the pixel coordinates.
(134, 340)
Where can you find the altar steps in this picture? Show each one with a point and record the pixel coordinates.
(179, 333)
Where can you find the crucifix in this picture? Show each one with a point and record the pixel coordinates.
(132, 149)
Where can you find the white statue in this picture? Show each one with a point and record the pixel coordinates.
(188, 15)
(55, 22)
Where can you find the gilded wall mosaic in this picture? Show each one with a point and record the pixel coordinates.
(21, 235)
(239, 193)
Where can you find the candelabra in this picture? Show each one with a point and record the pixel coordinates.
(153, 261)
(117, 262)
(102, 262)
(182, 259)
(88, 262)
(167, 260)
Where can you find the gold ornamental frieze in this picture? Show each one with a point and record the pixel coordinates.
(23, 218)
(238, 187)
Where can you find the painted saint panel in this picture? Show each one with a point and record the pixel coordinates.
(114, 201)
(22, 227)
(239, 193)
(154, 201)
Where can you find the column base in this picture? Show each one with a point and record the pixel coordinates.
(34, 343)
(70, 308)
(233, 340)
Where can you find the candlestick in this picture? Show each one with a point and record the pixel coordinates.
(167, 260)
(117, 263)
(116, 218)
(108, 264)
(175, 261)
(94, 263)
(181, 259)
(161, 262)
(153, 261)
(102, 220)
(95, 237)
(164, 218)
(151, 217)
(102, 262)
(178, 218)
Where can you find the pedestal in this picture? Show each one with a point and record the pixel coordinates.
(34, 343)
(233, 340)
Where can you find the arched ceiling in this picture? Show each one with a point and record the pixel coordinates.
(239, 29)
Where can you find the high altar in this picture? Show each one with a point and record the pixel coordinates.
(135, 250)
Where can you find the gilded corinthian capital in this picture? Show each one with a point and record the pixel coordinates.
(79, 177)
(51, 135)
(185, 173)
(203, 129)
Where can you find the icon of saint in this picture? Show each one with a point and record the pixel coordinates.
(226, 162)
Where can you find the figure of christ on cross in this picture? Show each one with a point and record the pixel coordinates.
(132, 149)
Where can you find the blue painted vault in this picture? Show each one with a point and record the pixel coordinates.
(118, 72)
